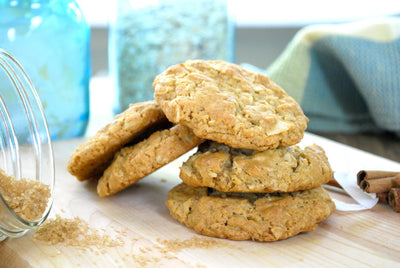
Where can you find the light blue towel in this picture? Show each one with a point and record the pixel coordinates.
(346, 77)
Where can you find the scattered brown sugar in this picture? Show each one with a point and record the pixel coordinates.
(144, 260)
(176, 245)
(74, 232)
(27, 198)
(152, 256)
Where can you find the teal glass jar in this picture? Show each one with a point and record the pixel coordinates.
(148, 36)
(51, 40)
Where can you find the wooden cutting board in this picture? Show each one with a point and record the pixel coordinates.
(138, 214)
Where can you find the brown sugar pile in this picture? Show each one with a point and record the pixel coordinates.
(74, 232)
(27, 198)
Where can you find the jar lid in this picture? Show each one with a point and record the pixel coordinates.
(26, 155)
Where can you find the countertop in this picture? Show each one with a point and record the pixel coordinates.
(138, 214)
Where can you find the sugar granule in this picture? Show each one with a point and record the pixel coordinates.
(74, 232)
(27, 198)
(176, 245)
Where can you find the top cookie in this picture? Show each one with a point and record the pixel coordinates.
(224, 102)
(91, 158)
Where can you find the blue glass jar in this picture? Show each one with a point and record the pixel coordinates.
(146, 37)
(51, 40)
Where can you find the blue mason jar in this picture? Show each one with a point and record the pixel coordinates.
(51, 40)
(146, 37)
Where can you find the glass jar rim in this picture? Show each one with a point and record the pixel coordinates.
(21, 94)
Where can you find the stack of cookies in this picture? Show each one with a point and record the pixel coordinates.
(248, 179)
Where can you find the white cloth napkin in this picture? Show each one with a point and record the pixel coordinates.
(362, 200)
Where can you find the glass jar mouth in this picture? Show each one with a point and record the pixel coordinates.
(25, 145)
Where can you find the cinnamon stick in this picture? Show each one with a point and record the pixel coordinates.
(394, 199)
(383, 197)
(380, 185)
(333, 182)
(374, 174)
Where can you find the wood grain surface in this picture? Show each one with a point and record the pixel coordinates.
(367, 238)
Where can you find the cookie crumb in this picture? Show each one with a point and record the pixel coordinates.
(27, 198)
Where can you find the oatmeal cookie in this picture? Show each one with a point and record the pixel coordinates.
(262, 217)
(224, 102)
(284, 169)
(91, 158)
(132, 163)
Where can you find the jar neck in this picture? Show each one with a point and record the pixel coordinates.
(28, 4)
(25, 3)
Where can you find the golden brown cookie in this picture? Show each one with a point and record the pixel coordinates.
(224, 102)
(132, 163)
(263, 217)
(285, 169)
(90, 159)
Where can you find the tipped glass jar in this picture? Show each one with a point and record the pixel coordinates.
(26, 155)
(146, 37)
(51, 39)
